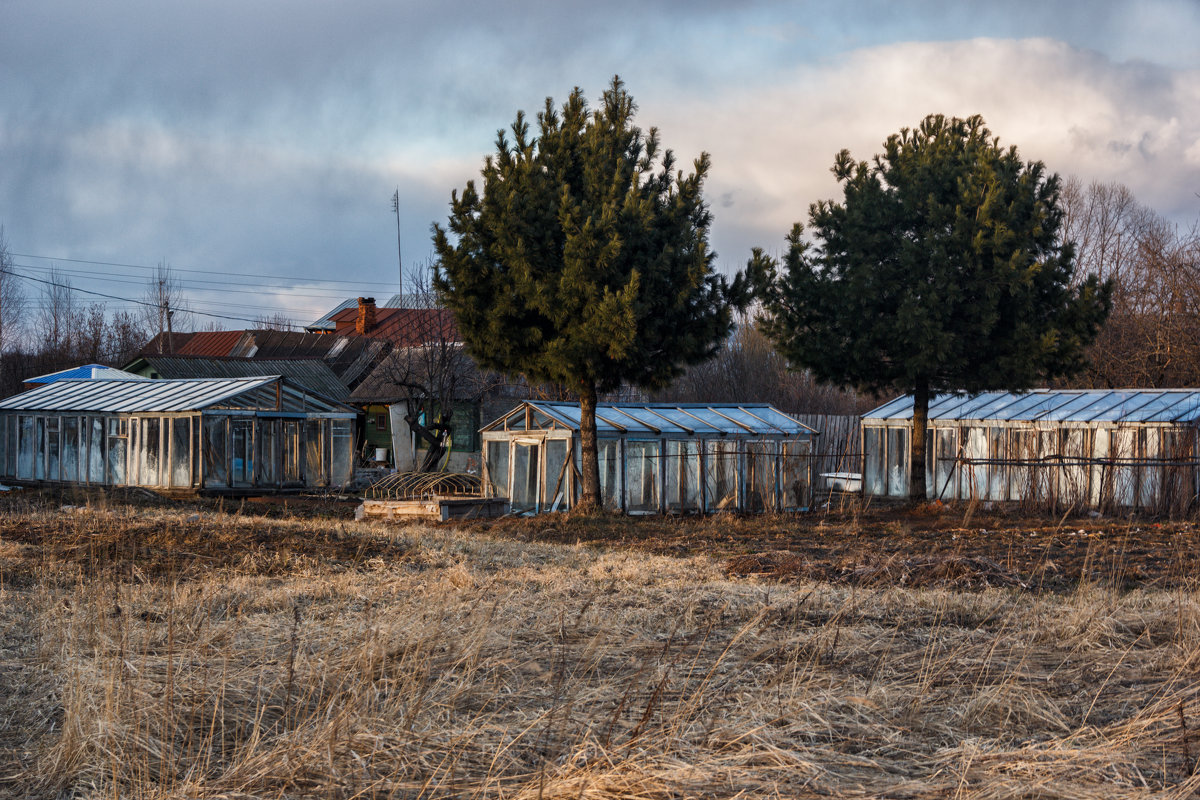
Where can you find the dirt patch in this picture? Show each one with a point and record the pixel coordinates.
(929, 545)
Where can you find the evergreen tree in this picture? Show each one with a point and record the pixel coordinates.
(584, 260)
(941, 270)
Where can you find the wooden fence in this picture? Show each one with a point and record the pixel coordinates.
(838, 448)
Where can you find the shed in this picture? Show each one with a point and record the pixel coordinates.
(1129, 448)
(654, 457)
(245, 435)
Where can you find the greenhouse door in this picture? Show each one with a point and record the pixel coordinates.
(525, 483)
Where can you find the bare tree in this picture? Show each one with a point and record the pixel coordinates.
(1152, 336)
(166, 308)
(748, 369)
(429, 368)
(58, 319)
(278, 321)
(12, 299)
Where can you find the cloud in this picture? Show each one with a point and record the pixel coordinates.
(1078, 111)
(269, 136)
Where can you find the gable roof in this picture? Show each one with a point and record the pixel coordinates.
(166, 396)
(94, 372)
(1054, 405)
(672, 419)
(404, 327)
(312, 373)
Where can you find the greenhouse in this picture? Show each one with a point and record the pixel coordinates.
(654, 458)
(1132, 449)
(242, 436)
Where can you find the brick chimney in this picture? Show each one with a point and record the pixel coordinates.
(366, 315)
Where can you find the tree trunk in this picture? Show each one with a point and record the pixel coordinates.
(916, 466)
(590, 497)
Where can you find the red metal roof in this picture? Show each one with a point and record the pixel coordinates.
(404, 327)
(210, 343)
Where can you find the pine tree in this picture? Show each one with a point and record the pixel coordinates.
(584, 260)
(942, 269)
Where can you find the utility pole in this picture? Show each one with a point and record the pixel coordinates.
(399, 258)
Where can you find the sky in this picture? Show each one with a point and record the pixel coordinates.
(254, 145)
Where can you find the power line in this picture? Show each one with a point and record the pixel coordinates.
(198, 271)
(145, 303)
(187, 283)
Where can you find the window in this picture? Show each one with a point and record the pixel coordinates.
(381, 421)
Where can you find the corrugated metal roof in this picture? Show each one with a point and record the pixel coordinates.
(326, 322)
(92, 372)
(405, 327)
(670, 419)
(1055, 405)
(132, 396)
(312, 373)
(210, 343)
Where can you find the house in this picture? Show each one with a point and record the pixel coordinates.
(654, 457)
(1107, 449)
(312, 373)
(225, 436)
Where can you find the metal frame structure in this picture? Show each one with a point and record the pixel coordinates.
(1133, 448)
(654, 457)
(244, 435)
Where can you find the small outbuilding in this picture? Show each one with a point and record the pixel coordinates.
(245, 436)
(1133, 448)
(654, 457)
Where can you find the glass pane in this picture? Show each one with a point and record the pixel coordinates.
(39, 448)
(314, 454)
(795, 478)
(1075, 472)
(641, 477)
(26, 448)
(213, 447)
(181, 452)
(721, 480)
(341, 454)
(1150, 472)
(609, 455)
(525, 477)
(70, 449)
(117, 454)
(683, 475)
(945, 470)
(874, 476)
(96, 450)
(242, 431)
(148, 453)
(557, 479)
(290, 447)
(53, 467)
(997, 472)
(899, 457)
(497, 468)
(760, 476)
(268, 452)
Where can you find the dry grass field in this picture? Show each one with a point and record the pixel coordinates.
(154, 650)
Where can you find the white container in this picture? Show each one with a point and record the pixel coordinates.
(843, 481)
(381, 453)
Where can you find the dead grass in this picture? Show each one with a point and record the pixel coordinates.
(152, 653)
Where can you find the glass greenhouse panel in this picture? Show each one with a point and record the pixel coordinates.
(683, 475)
(525, 477)
(721, 480)
(496, 455)
(641, 476)
(181, 452)
(557, 479)
(899, 458)
(609, 455)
